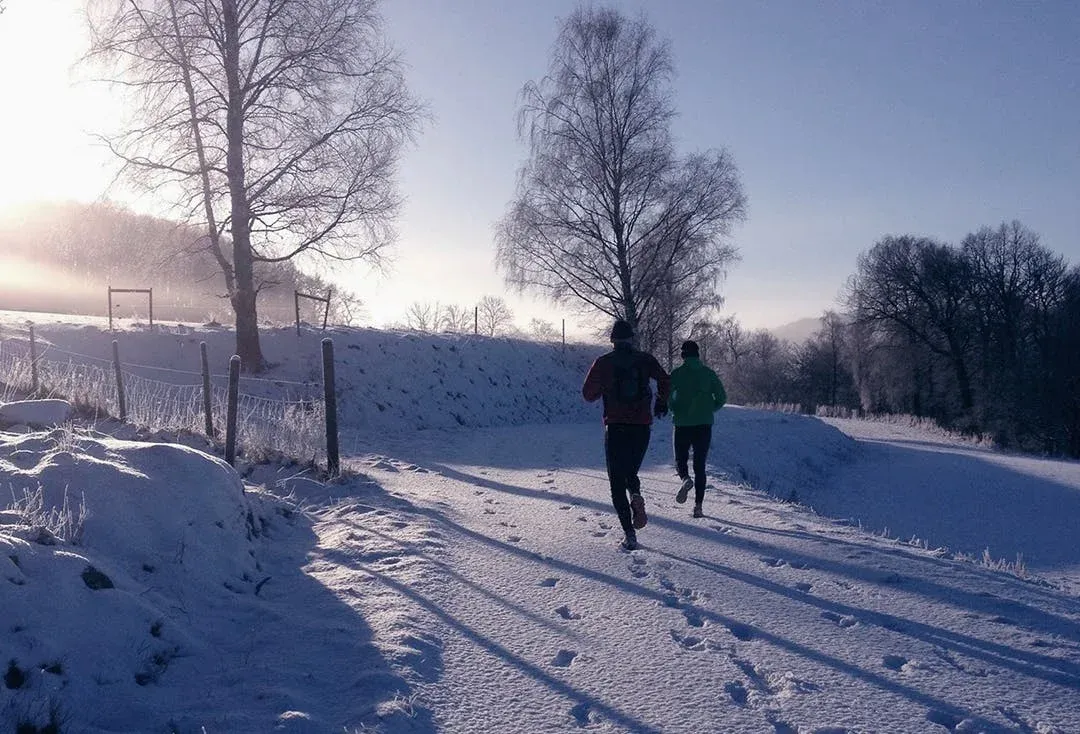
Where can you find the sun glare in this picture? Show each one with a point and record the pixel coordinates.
(46, 149)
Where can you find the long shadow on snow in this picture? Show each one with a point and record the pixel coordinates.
(345, 698)
(747, 631)
(974, 572)
(488, 644)
(450, 572)
(976, 601)
(1053, 670)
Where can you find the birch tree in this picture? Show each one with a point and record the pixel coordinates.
(275, 123)
(605, 213)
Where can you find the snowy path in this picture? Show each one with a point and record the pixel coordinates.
(760, 617)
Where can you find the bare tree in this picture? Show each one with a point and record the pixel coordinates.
(734, 341)
(424, 316)
(457, 319)
(919, 287)
(347, 309)
(543, 331)
(605, 214)
(275, 122)
(494, 315)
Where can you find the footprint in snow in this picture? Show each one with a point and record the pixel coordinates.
(599, 534)
(489, 511)
(773, 562)
(894, 662)
(693, 618)
(549, 481)
(580, 713)
(670, 600)
(841, 620)
(689, 642)
(563, 658)
(550, 581)
(564, 507)
(804, 587)
(742, 632)
(944, 718)
(514, 539)
(565, 613)
(737, 691)
(506, 524)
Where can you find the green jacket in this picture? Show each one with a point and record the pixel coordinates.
(696, 392)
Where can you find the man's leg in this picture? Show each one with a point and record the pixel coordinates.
(681, 441)
(615, 454)
(637, 445)
(702, 439)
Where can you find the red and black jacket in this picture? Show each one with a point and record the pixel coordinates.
(600, 382)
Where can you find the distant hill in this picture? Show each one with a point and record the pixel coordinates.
(799, 331)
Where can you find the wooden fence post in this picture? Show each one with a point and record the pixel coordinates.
(230, 415)
(333, 464)
(207, 402)
(476, 321)
(296, 303)
(110, 308)
(34, 385)
(121, 402)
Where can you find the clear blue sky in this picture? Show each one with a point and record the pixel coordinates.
(849, 121)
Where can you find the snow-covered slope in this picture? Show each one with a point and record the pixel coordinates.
(386, 380)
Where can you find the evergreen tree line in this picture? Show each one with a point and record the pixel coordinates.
(982, 337)
(71, 252)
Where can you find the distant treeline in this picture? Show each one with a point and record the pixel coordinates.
(60, 257)
(983, 337)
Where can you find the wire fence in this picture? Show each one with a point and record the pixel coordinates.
(290, 422)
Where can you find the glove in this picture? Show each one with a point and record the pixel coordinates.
(660, 410)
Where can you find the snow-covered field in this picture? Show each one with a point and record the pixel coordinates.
(465, 575)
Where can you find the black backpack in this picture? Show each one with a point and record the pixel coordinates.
(630, 380)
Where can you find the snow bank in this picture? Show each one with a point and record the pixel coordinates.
(99, 601)
(35, 413)
(789, 456)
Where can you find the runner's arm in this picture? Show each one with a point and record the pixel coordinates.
(593, 388)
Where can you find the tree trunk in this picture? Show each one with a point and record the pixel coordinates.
(243, 297)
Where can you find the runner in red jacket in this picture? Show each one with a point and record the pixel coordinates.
(621, 377)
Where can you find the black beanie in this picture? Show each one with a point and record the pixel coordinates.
(689, 349)
(621, 331)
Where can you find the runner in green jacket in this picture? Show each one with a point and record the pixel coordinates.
(696, 393)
